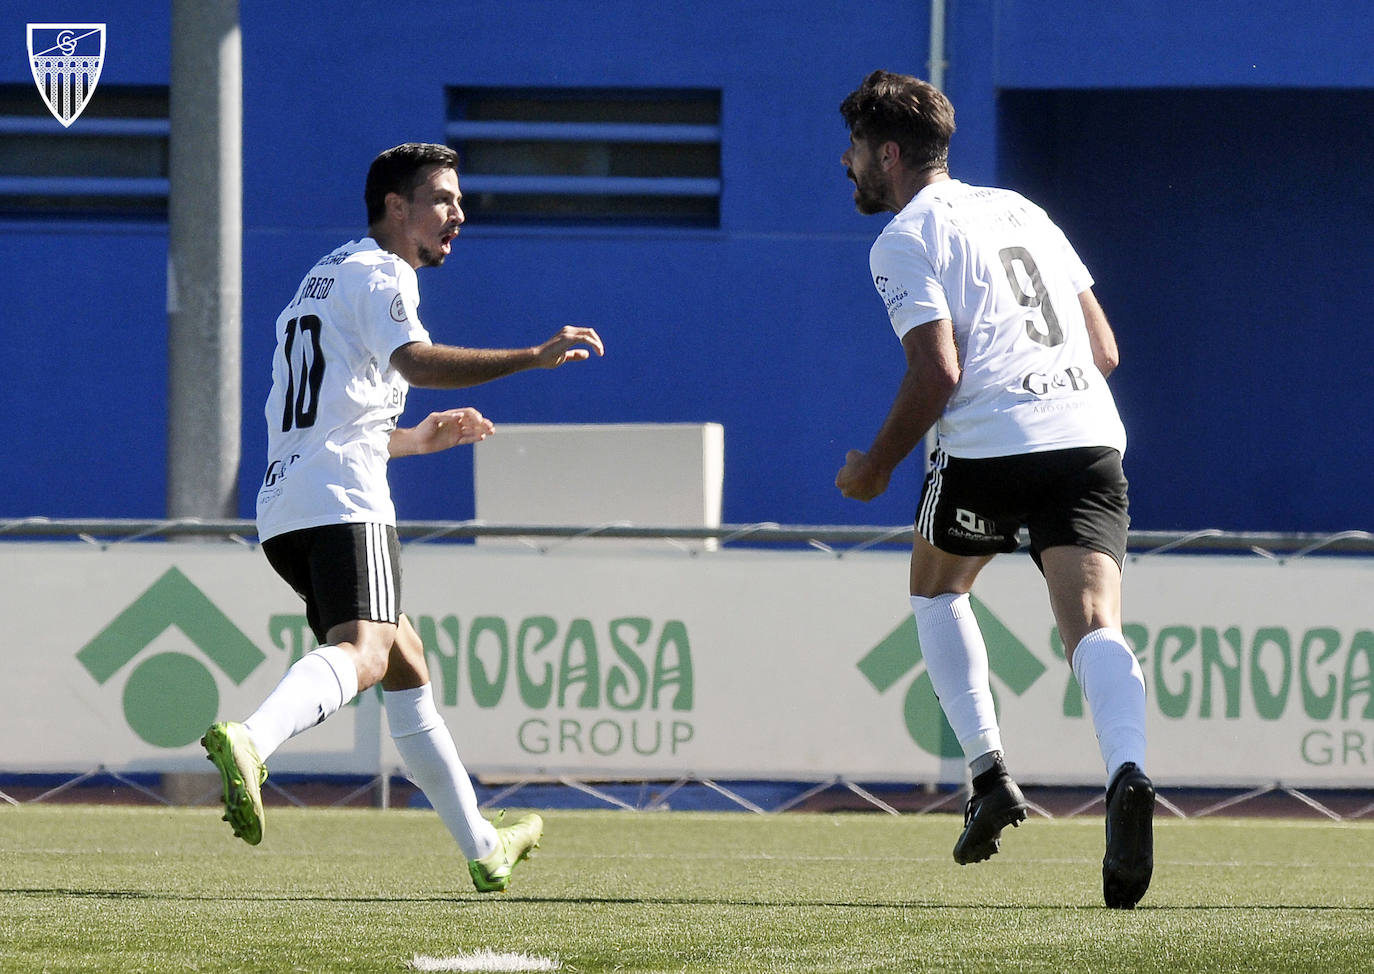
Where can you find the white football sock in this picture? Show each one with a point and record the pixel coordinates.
(957, 661)
(1114, 687)
(315, 687)
(423, 740)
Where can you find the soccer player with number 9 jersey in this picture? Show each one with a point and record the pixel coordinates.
(1007, 354)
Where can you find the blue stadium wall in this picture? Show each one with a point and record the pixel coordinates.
(1210, 162)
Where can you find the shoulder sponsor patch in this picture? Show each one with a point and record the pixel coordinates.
(892, 293)
(398, 309)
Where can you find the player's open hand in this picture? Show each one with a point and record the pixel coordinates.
(860, 479)
(571, 344)
(450, 428)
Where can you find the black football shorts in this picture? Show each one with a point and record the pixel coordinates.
(1063, 497)
(343, 572)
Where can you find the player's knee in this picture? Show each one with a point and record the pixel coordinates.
(370, 657)
(371, 668)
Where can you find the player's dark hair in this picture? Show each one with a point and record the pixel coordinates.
(400, 170)
(898, 108)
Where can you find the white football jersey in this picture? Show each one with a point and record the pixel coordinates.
(335, 398)
(994, 264)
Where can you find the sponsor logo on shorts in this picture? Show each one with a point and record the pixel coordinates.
(972, 525)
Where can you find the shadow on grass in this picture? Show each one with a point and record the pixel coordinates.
(475, 898)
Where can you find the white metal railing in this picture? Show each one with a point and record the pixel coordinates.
(839, 539)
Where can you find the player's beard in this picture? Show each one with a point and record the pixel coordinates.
(431, 258)
(868, 193)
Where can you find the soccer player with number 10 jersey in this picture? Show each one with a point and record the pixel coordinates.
(350, 344)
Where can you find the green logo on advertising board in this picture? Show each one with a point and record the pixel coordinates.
(622, 687)
(170, 697)
(626, 686)
(900, 653)
(1319, 680)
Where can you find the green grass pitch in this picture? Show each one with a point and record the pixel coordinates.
(129, 889)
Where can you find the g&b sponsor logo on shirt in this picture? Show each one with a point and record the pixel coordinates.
(1067, 380)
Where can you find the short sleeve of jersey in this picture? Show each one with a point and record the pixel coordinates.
(1078, 272)
(388, 310)
(907, 282)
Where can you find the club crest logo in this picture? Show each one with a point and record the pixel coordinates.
(65, 60)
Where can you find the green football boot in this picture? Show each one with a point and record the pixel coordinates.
(514, 842)
(243, 773)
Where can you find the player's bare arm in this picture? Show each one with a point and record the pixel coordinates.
(1100, 334)
(455, 367)
(932, 373)
(440, 431)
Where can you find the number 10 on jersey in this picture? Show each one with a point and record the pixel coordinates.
(303, 388)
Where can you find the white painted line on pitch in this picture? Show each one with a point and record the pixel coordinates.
(485, 960)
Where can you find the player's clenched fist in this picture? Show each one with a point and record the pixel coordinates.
(860, 479)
